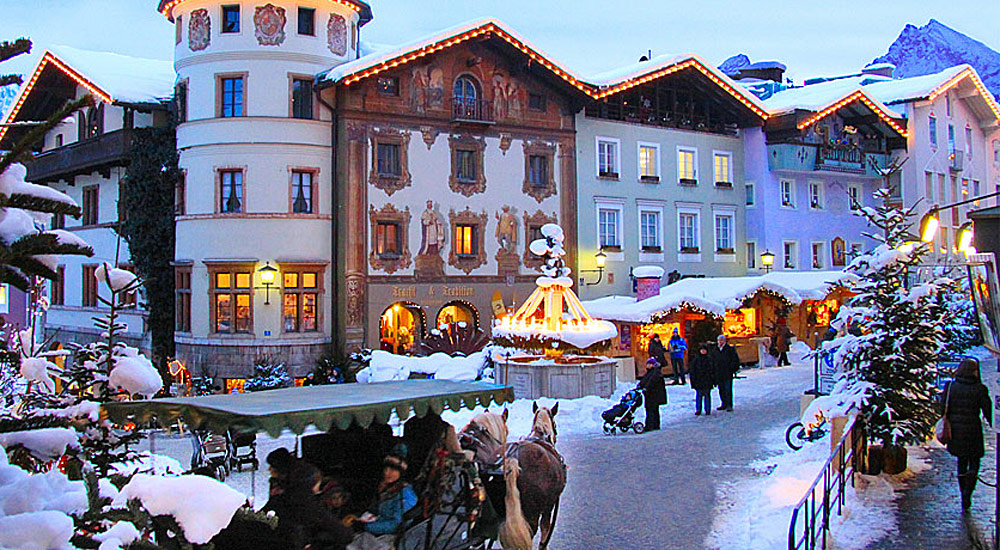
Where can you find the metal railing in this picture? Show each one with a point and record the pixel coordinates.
(471, 110)
(810, 521)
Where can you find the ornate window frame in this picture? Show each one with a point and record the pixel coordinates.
(537, 219)
(400, 138)
(478, 146)
(389, 213)
(534, 148)
(467, 217)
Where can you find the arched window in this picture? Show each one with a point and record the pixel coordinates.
(401, 328)
(465, 97)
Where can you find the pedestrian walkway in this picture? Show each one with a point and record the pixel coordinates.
(658, 491)
(929, 515)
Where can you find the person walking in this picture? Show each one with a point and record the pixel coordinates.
(782, 339)
(702, 373)
(677, 348)
(726, 362)
(966, 398)
(654, 393)
(655, 350)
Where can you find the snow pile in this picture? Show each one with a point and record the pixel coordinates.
(201, 505)
(119, 535)
(385, 366)
(34, 509)
(755, 514)
(16, 223)
(44, 443)
(147, 463)
(84, 409)
(117, 279)
(36, 369)
(135, 374)
(648, 272)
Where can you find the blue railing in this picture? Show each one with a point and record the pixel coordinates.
(810, 521)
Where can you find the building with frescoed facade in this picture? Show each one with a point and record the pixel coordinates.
(815, 160)
(660, 173)
(86, 157)
(452, 153)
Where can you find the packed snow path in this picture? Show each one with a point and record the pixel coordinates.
(658, 490)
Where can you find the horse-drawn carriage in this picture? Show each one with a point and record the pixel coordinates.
(353, 433)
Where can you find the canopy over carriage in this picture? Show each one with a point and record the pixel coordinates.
(354, 419)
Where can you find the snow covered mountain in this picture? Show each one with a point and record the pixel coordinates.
(732, 65)
(934, 47)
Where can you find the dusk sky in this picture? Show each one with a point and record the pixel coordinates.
(812, 37)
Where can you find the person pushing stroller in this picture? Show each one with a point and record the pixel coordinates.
(654, 393)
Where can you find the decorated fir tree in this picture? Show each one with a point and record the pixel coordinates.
(269, 374)
(894, 331)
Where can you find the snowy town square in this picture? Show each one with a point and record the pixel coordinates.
(474, 275)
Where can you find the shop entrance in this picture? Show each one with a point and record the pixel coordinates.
(401, 328)
(458, 312)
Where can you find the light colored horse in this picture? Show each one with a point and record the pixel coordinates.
(515, 534)
(485, 436)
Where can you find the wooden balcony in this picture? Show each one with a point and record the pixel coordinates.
(94, 154)
(475, 111)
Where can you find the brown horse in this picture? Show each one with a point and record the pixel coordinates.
(542, 476)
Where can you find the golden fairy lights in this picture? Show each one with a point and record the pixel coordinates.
(589, 89)
(856, 96)
(166, 8)
(971, 74)
(69, 71)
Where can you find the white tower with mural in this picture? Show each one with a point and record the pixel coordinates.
(255, 150)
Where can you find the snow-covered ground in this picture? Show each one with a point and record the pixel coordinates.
(754, 514)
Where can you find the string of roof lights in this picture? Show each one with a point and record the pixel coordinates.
(69, 71)
(858, 95)
(979, 87)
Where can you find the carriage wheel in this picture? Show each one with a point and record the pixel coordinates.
(796, 436)
(638, 427)
(609, 429)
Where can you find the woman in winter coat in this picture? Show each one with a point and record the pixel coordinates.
(966, 398)
(702, 371)
(782, 340)
(654, 393)
(395, 498)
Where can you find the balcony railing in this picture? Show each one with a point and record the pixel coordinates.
(841, 159)
(471, 110)
(83, 157)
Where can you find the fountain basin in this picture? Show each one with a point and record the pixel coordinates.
(563, 377)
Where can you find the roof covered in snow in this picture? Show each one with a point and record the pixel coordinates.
(718, 294)
(124, 78)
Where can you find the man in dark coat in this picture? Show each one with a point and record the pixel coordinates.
(702, 371)
(302, 518)
(657, 351)
(654, 393)
(966, 398)
(726, 362)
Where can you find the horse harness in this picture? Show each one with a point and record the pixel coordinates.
(514, 449)
(479, 436)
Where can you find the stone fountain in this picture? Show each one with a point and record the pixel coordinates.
(554, 335)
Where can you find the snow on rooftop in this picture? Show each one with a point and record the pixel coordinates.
(718, 294)
(767, 65)
(916, 87)
(124, 78)
(632, 70)
(813, 97)
(341, 71)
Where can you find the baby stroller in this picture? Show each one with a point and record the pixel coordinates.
(622, 416)
(244, 450)
(212, 454)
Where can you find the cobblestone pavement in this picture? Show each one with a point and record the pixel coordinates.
(929, 514)
(658, 490)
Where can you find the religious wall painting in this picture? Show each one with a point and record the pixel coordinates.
(355, 300)
(390, 248)
(336, 34)
(837, 248)
(506, 97)
(468, 230)
(199, 30)
(429, 264)
(390, 169)
(427, 89)
(507, 257)
(532, 230)
(269, 25)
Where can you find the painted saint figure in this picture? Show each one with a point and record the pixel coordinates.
(506, 233)
(431, 231)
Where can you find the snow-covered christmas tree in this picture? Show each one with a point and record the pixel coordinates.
(895, 332)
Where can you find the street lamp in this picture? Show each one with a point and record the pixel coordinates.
(929, 225)
(965, 237)
(767, 260)
(267, 276)
(600, 258)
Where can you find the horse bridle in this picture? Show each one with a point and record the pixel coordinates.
(474, 434)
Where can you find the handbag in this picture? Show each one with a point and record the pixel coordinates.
(942, 430)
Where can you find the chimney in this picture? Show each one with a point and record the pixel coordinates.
(764, 70)
(647, 281)
(880, 69)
